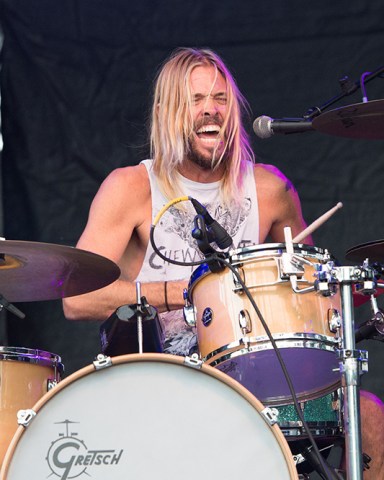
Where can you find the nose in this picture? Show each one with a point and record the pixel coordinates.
(210, 106)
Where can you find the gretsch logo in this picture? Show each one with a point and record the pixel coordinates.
(68, 456)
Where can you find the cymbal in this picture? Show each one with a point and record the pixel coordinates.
(32, 271)
(374, 251)
(360, 120)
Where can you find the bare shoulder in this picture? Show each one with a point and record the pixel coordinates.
(122, 200)
(268, 176)
(279, 203)
(127, 180)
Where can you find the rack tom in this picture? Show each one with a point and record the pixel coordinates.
(303, 322)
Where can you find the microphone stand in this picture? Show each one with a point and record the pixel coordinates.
(347, 88)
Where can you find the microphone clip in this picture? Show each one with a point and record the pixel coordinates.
(204, 236)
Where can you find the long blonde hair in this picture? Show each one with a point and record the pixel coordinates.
(172, 123)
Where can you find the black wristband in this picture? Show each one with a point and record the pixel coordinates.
(166, 297)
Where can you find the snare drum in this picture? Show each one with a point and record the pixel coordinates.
(231, 336)
(148, 416)
(324, 417)
(25, 376)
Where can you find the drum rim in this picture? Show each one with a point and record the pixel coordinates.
(269, 249)
(263, 342)
(156, 358)
(30, 355)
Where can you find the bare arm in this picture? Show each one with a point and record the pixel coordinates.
(118, 229)
(279, 205)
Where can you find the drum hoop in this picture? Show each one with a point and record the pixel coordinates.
(302, 340)
(274, 249)
(247, 254)
(33, 356)
(156, 358)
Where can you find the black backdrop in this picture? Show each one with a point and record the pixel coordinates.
(75, 83)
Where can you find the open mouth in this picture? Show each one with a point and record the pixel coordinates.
(209, 133)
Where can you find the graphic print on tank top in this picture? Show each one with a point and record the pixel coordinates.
(180, 339)
(181, 223)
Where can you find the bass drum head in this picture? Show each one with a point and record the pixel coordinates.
(148, 416)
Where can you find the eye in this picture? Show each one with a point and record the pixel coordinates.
(197, 99)
(221, 99)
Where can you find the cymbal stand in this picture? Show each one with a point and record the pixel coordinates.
(352, 362)
(139, 317)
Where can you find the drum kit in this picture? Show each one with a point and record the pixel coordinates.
(225, 411)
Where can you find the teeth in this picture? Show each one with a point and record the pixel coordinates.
(209, 128)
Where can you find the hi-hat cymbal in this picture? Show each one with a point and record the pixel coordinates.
(32, 271)
(374, 251)
(360, 120)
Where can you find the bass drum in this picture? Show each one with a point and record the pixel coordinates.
(148, 416)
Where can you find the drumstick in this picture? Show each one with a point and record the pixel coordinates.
(316, 224)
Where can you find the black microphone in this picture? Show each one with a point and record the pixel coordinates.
(266, 127)
(220, 235)
(372, 329)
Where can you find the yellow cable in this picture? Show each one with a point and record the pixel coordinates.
(165, 208)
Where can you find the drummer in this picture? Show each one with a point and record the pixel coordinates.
(199, 148)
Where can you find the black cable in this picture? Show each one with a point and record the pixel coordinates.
(329, 475)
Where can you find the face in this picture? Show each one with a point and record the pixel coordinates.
(209, 108)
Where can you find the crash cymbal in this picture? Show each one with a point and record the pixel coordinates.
(374, 251)
(360, 120)
(32, 271)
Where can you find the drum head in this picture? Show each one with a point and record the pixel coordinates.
(148, 416)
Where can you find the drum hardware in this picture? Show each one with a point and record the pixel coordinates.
(189, 310)
(374, 327)
(51, 384)
(334, 321)
(245, 322)
(193, 361)
(132, 329)
(32, 271)
(352, 363)
(102, 361)
(10, 307)
(25, 417)
(296, 267)
(270, 415)
(308, 455)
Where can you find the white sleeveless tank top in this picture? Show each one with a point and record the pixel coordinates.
(173, 238)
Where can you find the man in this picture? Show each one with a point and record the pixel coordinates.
(199, 148)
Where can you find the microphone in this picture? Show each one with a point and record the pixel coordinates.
(266, 127)
(220, 235)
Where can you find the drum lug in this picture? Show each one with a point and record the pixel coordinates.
(193, 361)
(51, 383)
(334, 320)
(102, 361)
(25, 417)
(245, 322)
(189, 311)
(270, 414)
